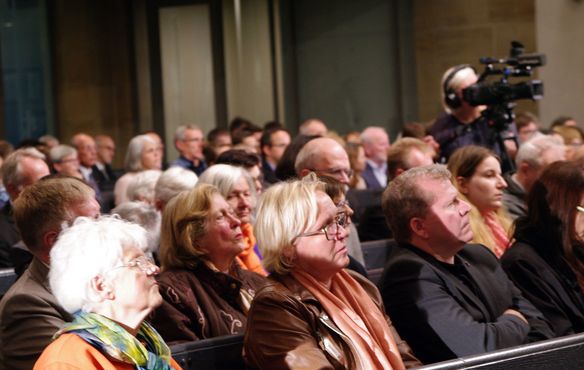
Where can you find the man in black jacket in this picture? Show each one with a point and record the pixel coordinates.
(448, 298)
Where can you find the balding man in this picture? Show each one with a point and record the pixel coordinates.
(325, 156)
(87, 154)
(375, 143)
(29, 313)
(21, 169)
(313, 127)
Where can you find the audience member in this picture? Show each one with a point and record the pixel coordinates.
(218, 141)
(419, 131)
(448, 298)
(573, 138)
(106, 150)
(145, 215)
(29, 313)
(376, 144)
(313, 127)
(170, 183)
(326, 157)
(159, 144)
(236, 186)
(87, 154)
(532, 157)
(141, 187)
(357, 160)
(248, 161)
(206, 293)
(142, 154)
(285, 169)
(273, 144)
(406, 153)
(247, 138)
(314, 314)
(65, 161)
(188, 140)
(5, 149)
(546, 261)
(476, 173)
(100, 275)
(563, 121)
(527, 124)
(47, 142)
(21, 169)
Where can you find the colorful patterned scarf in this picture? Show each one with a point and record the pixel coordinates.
(146, 351)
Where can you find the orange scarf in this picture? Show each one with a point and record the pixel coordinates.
(248, 259)
(499, 234)
(354, 312)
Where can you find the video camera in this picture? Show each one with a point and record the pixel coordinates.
(502, 92)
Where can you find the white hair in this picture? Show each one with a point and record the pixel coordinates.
(225, 176)
(455, 81)
(141, 187)
(89, 248)
(173, 181)
(145, 215)
(133, 161)
(59, 152)
(532, 150)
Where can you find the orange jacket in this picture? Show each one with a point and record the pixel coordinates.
(70, 352)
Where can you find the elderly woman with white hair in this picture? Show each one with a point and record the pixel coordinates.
(205, 291)
(237, 187)
(314, 314)
(100, 274)
(65, 161)
(143, 154)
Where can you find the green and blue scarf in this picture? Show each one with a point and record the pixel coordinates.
(146, 351)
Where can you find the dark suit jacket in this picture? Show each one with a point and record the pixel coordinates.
(370, 179)
(269, 174)
(443, 318)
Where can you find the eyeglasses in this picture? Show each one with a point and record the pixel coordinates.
(143, 263)
(343, 203)
(580, 209)
(330, 231)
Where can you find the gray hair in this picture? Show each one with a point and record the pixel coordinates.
(532, 150)
(133, 161)
(179, 133)
(11, 170)
(145, 215)
(141, 186)
(370, 133)
(454, 83)
(89, 248)
(225, 176)
(173, 181)
(61, 151)
(403, 199)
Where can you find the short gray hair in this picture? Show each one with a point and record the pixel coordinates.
(532, 150)
(61, 151)
(403, 199)
(225, 176)
(11, 170)
(145, 215)
(141, 186)
(179, 133)
(89, 248)
(173, 181)
(133, 161)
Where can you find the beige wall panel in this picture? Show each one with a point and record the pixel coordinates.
(560, 34)
(187, 70)
(248, 60)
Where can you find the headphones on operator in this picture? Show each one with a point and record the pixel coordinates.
(450, 97)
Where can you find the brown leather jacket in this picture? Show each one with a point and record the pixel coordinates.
(287, 328)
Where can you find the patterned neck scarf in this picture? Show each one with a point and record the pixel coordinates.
(146, 351)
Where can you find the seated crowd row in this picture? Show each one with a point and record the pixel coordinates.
(222, 251)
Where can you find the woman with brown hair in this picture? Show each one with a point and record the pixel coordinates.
(476, 173)
(206, 293)
(546, 262)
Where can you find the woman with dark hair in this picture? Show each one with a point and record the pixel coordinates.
(547, 259)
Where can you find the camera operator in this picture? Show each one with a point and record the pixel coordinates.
(462, 124)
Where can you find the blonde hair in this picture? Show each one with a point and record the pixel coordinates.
(285, 210)
(463, 163)
(184, 223)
